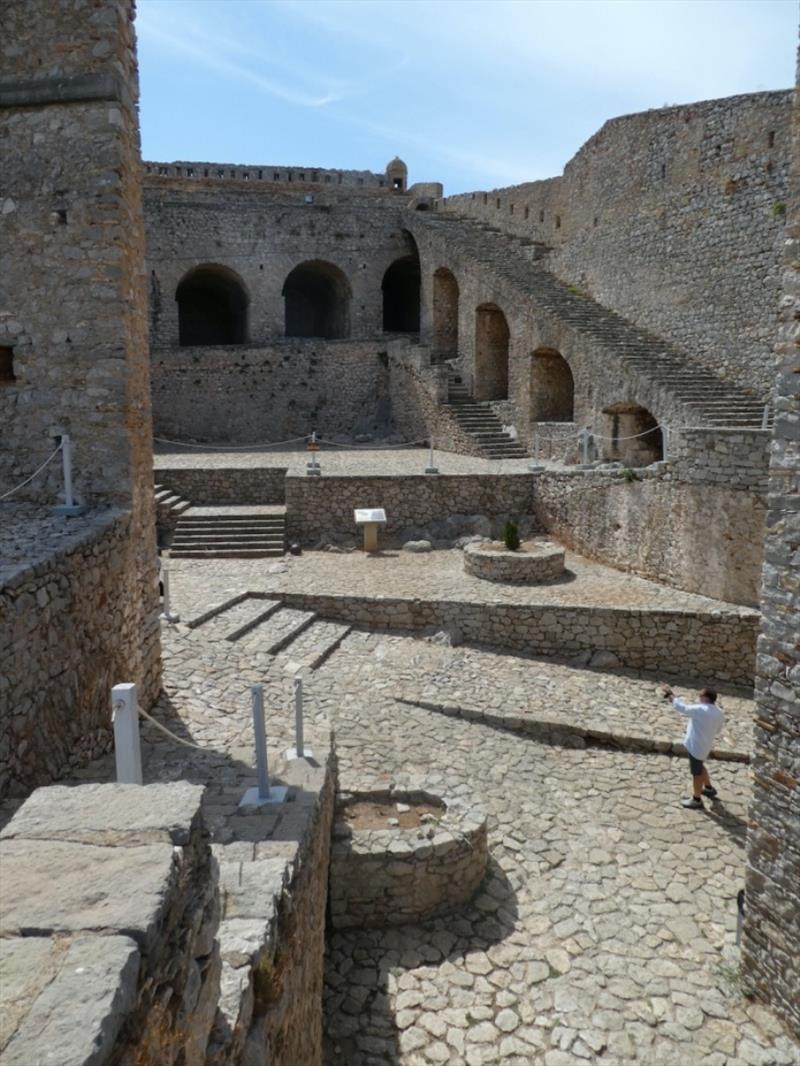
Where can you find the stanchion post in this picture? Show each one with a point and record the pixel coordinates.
(166, 613)
(431, 468)
(299, 751)
(263, 792)
(585, 435)
(665, 442)
(535, 466)
(765, 417)
(127, 747)
(68, 507)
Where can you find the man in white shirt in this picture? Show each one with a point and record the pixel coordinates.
(705, 720)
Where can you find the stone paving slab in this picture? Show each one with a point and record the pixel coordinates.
(233, 510)
(50, 983)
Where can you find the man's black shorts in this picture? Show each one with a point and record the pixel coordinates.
(695, 765)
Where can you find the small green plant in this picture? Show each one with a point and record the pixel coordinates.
(575, 290)
(778, 209)
(628, 474)
(511, 536)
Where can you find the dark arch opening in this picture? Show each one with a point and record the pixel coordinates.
(317, 301)
(634, 437)
(212, 307)
(552, 387)
(401, 299)
(491, 353)
(445, 314)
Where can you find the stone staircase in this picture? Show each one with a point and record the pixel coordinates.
(292, 638)
(480, 422)
(229, 533)
(170, 502)
(706, 398)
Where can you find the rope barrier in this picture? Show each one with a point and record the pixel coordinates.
(230, 447)
(374, 447)
(169, 733)
(27, 481)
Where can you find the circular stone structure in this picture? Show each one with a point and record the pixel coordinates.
(535, 561)
(389, 876)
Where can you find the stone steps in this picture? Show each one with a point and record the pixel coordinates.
(229, 536)
(167, 499)
(278, 630)
(310, 648)
(480, 422)
(706, 398)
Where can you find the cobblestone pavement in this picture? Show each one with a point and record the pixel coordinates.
(605, 930)
(438, 575)
(342, 461)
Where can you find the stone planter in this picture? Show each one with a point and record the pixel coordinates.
(391, 876)
(535, 562)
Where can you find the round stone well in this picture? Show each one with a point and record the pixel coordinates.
(534, 562)
(431, 862)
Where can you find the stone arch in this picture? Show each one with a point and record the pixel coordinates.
(491, 353)
(633, 435)
(401, 292)
(212, 307)
(552, 387)
(317, 301)
(445, 314)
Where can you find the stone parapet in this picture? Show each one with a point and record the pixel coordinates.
(108, 918)
(735, 458)
(391, 876)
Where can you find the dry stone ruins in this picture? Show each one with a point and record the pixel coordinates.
(480, 855)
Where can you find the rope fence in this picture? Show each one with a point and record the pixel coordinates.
(36, 472)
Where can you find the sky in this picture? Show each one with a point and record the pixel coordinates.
(476, 94)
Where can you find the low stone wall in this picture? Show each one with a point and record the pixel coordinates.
(224, 485)
(392, 876)
(320, 507)
(531, 565)
(555, 440)
(737, 459)
(700, 538)
(108, 917)
(74, 621)
(719, 645)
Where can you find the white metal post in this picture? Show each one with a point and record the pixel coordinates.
(127, 748)
(664, 443)
(68, 507)
(535, 465)
(765, 417)
(299, 751)
(263, 792)
(166, 613)
(431, 468)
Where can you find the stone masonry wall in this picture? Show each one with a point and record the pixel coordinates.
(720, 646)
(222, 485)
(108, 918)
(69, 630)
(675, 218)
(698, 537)
(278, 392)
(320, 507)
(737, 459)
(771, 962)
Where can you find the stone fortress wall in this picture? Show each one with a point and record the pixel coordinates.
(74, 342)
(673, 217)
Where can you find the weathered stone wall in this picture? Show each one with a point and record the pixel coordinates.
(737, 459)
(71, 284)
(222, 485)
(721, 646)
(531, 564)
(771, 961)
(108, 917)
(703, 538)
(320, 507)
(277, 392)
(674, 218)
(261, 236)
(381, 877)
(70, 629)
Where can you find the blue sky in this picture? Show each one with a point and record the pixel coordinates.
(473, 93)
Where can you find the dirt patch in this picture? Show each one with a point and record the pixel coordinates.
(366, 814)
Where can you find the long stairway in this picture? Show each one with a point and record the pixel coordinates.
(706, 398)
(230, 533)
(480, 422)
(293, 639)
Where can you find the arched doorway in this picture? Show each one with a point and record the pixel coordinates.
(212, 307)
(445, 314)
(491, 353)
(317, 301)
(552, 387)
(634, 437)
(401, 299)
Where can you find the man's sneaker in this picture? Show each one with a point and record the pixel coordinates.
(693, 804)
(710, 791)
